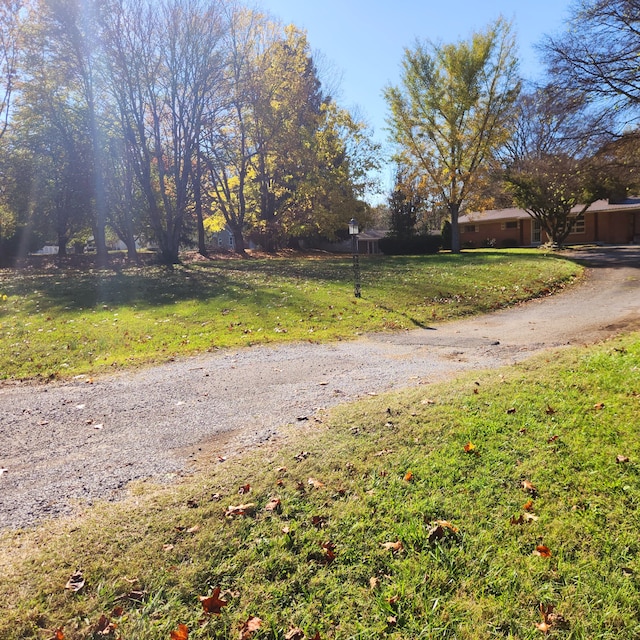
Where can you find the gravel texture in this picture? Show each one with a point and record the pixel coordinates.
(63, 445)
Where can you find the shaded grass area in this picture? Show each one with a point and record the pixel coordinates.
(448, 511)
(64, 322)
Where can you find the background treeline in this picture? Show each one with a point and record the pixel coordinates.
(159, 119)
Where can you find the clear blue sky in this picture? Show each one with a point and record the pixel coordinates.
(364, 40)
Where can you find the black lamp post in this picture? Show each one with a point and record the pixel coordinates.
(353, 232)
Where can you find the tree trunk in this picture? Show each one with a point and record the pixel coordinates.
(454, 210)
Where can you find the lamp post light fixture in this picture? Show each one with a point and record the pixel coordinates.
(353, 232)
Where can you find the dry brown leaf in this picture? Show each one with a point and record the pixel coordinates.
(240, 510)
(374, 582)
(622, 459)
(543, 626)
(249, 627)
(294, 634)
(392, 621)
(598, 406)
(75, 582)
(316, 484)
(392, 546)
(58, 634)
(528, 506)
(552, 439)
(181, 633)
(273, 505)
(384, 452)
(527, 485)
(213, 603)
(244, 489)
(550, 410)
(194, 529)
(512, 410)
(542, 551)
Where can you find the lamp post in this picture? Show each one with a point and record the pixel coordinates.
(353, 232)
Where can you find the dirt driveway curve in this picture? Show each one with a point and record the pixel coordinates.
(70, 443)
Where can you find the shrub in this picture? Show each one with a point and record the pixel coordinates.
(410, 245)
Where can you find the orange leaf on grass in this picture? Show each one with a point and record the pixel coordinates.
(408, 477)
(542, 551)
(529, 486)
(316, 484)
(240, 510)
(213, 603)
(392, 546)
(245, 488)
(181, 633)
(528, 506)
(58, 634)
(469, 447)
(598, 406)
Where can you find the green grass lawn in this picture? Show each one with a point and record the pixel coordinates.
(502, 505)
(62, 322)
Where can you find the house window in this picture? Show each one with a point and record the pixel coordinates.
(471, 228)
(509, 224)
(231, 241)
(578, 225)
(536, 232)
(219, 241)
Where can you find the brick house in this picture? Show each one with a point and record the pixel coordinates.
(604, 222)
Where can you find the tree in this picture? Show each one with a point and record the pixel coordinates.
(165, 61)
(452, 112)
(404, 203)
(553, 169)
(10, 22)
(598, 53)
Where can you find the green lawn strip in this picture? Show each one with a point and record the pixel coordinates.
(354, 551)
(62, 323)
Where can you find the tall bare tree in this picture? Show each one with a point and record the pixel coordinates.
(452, 111)
(599, 51)
(165, 61)
(10, 20)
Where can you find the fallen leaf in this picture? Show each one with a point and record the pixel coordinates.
(194, 529)
(273, 505)
(249, 627)
(245, 488)
(329, 549)
(104, 626)
(58, 634)
(530, 487)
(181, 633)
(542, 551)
(440, 529)
(117, 612)
(543, 626)
(318, 521)
(213, 603)
(408, 477)
(469, 447)
(302, 456)
(621, 459)
(384, 452)
(75, 582)
(511, 410)
(598, 406)
(428, 401)
(552, 439)
(392, 546)
(374, 582)
(392, 621)
(393, 600)
(240, 510)
(528, 506)
(316, 484)
(550, 410)
(294, 634)
(627, 572)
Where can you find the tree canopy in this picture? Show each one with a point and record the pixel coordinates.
(453, 111)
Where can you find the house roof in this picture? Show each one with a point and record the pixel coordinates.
(513, 213)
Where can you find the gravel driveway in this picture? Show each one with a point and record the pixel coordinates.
(69, 443)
